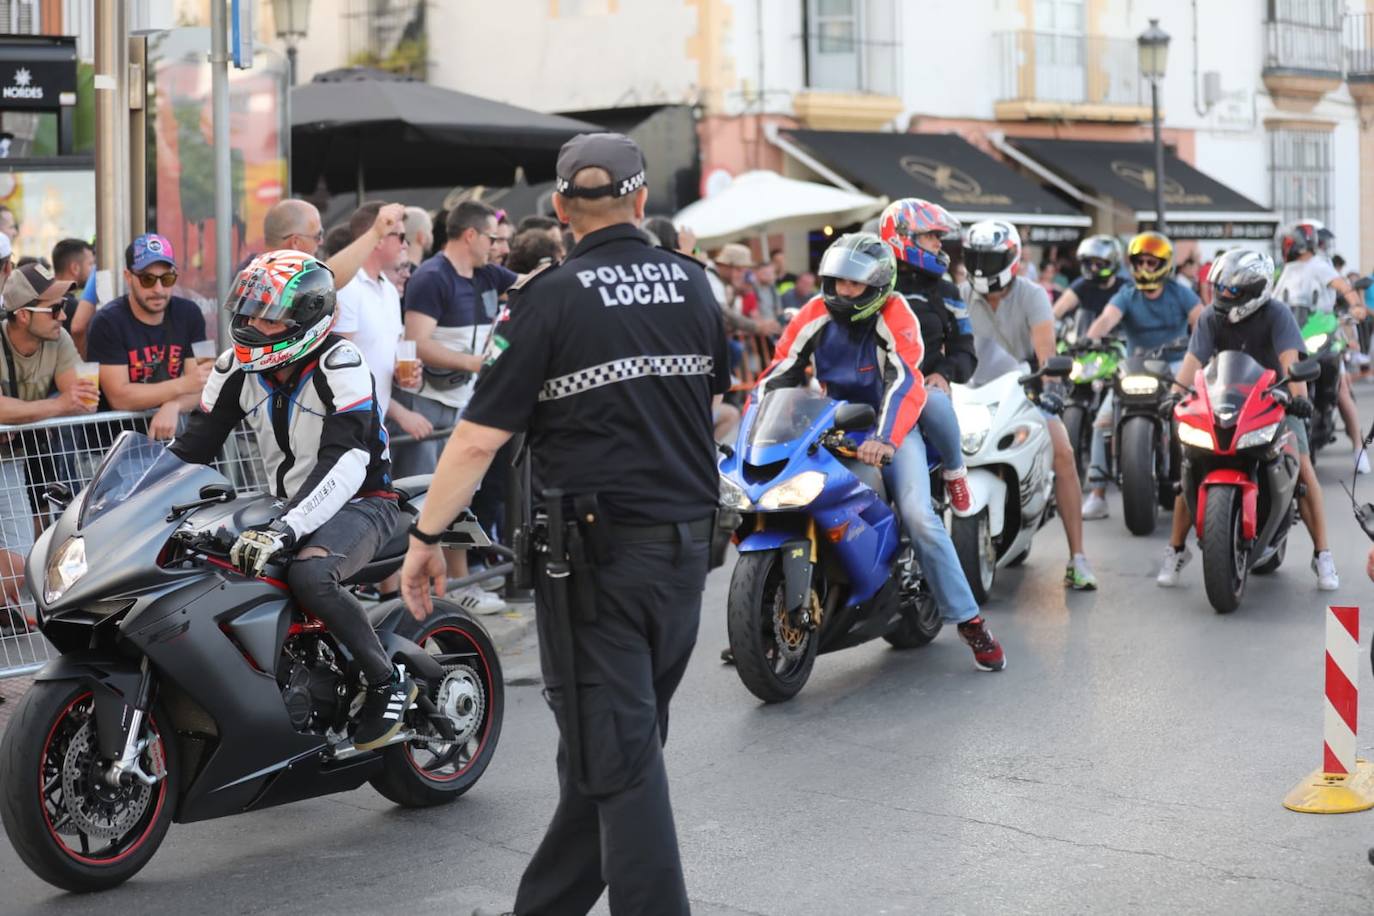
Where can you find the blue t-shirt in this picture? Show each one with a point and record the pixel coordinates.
(152, 353)
(436, 290)
(1151, 323)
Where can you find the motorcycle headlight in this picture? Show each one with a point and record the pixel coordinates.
(1316, 342)
(732, 495)
(1139, 384)
(975, 421)
(1262, 436)
(66, 566)
(794, 493)
(1197, 438)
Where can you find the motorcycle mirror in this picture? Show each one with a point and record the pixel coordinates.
(1305, 370)
(219, 492)
(855, 417)
(1057, 367)
(59, 495)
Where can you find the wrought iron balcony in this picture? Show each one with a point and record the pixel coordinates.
(1359, 48)
(1069, 69)
(1303, 48)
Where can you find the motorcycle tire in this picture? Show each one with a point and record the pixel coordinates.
(38, 744)
(1079, 427)
(920, 623)
(769, 671)
(1273, 563)
(415, 775)
(1139, 486)
(972, 536)
(1225, 557)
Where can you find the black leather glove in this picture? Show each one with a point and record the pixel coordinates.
(1051, 403)
(1167, 406)
(256, 547)
(1300, 407)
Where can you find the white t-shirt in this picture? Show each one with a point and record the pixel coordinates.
(370, 310)
(1307, 283)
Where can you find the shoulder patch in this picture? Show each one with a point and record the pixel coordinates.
(225, 361)
(343, 356)
(525, 279)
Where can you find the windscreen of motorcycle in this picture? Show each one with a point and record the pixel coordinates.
(134, 463)
(785, 415)
(1231, 376)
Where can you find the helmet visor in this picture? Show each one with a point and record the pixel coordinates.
(844, 263)
(985, 262)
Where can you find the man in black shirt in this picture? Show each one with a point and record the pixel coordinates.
(609, 362)
(1243, 317)
(1099, 260)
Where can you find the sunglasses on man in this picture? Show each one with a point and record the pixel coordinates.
(55, 309)
(148, 281)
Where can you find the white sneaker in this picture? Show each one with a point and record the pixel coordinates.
(1174, 561)
(1095, 506)
(477, 600)
(1325, 568)
(1362, 462)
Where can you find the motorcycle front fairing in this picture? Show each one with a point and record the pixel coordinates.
(778, 444)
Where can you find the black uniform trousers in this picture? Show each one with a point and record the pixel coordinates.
(628, 663)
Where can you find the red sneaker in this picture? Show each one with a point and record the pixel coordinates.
(957, 487)
(987, 652)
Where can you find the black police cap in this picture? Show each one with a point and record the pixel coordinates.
(616, 153)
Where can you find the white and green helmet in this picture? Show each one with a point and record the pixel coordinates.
(282, 286)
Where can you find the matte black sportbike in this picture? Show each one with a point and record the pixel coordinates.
(186, 691)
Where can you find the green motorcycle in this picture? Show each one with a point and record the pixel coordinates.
(1324, 338)
(1095, 365)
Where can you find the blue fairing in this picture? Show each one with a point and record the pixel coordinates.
(850, 520)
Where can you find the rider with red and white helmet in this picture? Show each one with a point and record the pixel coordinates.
(309, 396)
(915, 230)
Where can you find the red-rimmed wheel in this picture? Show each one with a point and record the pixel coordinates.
(435, 769)
(66, 822)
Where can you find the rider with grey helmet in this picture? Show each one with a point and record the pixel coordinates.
(1099, 262)
(1245, 317)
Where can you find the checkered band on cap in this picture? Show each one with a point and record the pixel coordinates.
(623, 370)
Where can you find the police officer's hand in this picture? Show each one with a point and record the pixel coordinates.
(423, 570)
(875, 452)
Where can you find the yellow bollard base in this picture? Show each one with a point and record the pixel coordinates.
(1334, 793)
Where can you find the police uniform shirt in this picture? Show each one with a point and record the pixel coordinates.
(609, 361)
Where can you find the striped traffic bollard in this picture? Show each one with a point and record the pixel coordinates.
(1344, 782)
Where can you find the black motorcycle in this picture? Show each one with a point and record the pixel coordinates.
(186, 691)
(1145, 453)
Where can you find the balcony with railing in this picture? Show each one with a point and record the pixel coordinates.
(1303, 54)
(1084, 77)
(1359, 52)
(851, 81)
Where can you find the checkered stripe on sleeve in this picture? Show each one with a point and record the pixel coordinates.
(622, 370)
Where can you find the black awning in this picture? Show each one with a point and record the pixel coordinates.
(943, 168)
(1196, 205)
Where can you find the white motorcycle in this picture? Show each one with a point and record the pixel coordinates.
(1010, 458)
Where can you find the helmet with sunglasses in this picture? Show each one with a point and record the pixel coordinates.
(992, 255)
(860, 257)
(904, 220)
(1305, 235)
(283, 286)
(1242, 280)
(1153, 245)
(1099, 257)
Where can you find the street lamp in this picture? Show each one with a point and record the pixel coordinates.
(291, 18)
(1153, 45)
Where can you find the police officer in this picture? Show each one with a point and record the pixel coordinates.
(609, 362)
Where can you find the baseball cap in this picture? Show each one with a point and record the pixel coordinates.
(616, 153)
(735, 255)
(147, 250)
(33, 284)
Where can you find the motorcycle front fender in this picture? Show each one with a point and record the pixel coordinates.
(1249, 499)
(987, 491)
(796, 561)
(114, 682)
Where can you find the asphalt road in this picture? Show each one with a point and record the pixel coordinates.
(1132, 759)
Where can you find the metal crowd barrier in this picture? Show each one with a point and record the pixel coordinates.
(750, 354)
(67, 450)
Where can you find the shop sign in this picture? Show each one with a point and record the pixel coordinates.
(1219, 230)
(1052, 234)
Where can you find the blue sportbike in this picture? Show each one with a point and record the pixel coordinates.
(823, 561)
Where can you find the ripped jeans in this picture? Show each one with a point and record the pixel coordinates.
(351, 538)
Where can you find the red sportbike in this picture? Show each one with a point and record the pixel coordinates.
(1240, 469)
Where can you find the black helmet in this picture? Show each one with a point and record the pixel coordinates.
(863, 258)
(1241, 281)
(285, 286)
